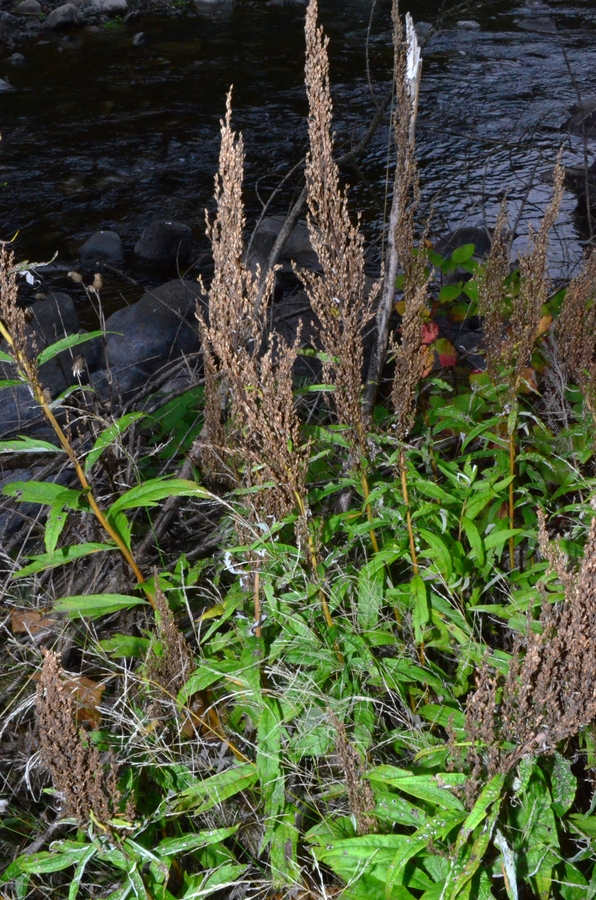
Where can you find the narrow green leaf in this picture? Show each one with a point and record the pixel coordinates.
(72, 340)
(490, 793)
(269, 749)
(189, 842)
(437, 827)
(438, 551)
(93, 605)
(54, 525)
(466, 867)
(73, 889)
(29, 445)
(9, 382)
(46, 861)
(125, 645)
(432, 788)
(108, 436)
(474, 539)
(204, 795)
(61, 557)
(499, 536)
(563, 785)
(370, 596)
(46, 492)
(420, 607)
(5, 357)
(151, 492)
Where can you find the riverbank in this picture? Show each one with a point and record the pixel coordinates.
(24, 21)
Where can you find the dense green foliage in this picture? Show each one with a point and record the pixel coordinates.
(342, 749)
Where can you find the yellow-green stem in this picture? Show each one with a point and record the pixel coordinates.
(312, 555)
(404, 489)
(511, 500)
(257, 605)
(369, 516)
(26, 370)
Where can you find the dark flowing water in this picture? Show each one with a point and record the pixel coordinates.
(100, 133)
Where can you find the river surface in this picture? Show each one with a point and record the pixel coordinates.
(101, 134)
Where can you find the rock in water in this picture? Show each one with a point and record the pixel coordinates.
(103, 245)
(164, 244)
(65, 16)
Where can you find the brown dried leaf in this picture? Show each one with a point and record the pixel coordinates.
(30, 621)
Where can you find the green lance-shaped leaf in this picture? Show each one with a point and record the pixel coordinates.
(437, 827)
(420, 607)
(47, 861)
(151, 492)
(432, 788)
(107, 437)
(469, 858)
(370, 595)
(29, 445)
(188, 842)
(72, 340)
(490, 794)
(269, 750)
(75, 884)
(94, 605)
(563, 785)
(47, 492)
(204, 795)
(61, 557)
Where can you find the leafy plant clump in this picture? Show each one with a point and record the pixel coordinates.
(322, 641)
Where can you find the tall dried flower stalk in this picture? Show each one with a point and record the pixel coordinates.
(508, 350)
(360, 795)
(13, 330)
(253, 370)
(550, 690)
(576, 331)
(338, 294)
(402, 254)
(401, 245)
(173, 664)
(510, 337)
(88, 786)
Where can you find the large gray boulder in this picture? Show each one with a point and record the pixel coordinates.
(102, 246)
(298, 248)
(107, 7)
(28, 8)
(65, 16)
(164, 243)
(158, 329)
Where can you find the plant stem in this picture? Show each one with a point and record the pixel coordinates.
(404, 490)
(369, 516)
(257, 605)
(28, 371)
(511, 499)
(312, 556)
